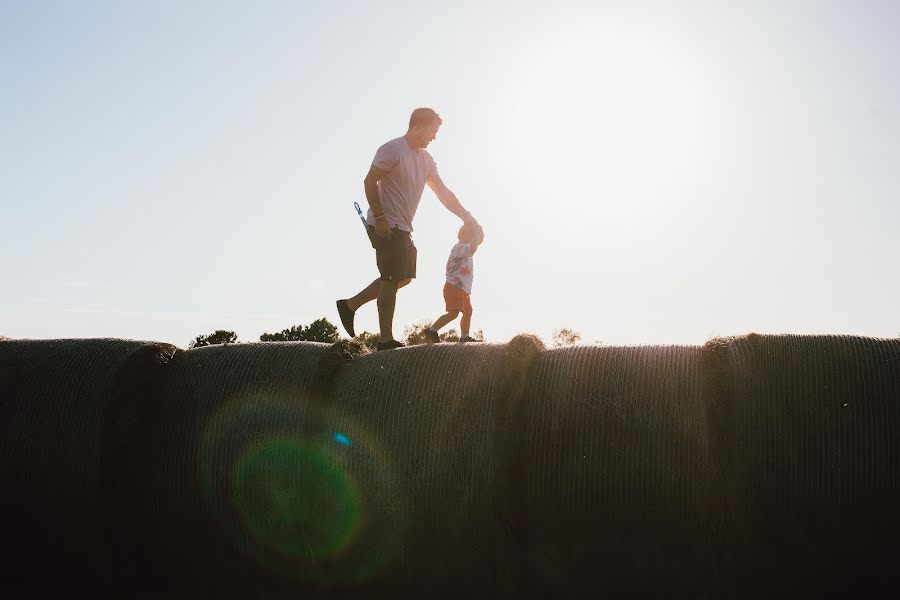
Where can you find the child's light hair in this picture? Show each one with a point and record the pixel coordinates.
(473, 234)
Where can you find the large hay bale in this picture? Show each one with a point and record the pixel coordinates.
(68, 411)
(811, 455)
(245, 496)
(616, 498)
(430, 423)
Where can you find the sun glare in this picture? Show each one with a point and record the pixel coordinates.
(613, 109)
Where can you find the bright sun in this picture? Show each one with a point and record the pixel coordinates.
(609, 108)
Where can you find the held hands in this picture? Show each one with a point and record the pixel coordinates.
(469, 220)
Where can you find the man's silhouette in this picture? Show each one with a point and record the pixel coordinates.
(394, 186)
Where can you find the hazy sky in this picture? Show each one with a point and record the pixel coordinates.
(645, 172)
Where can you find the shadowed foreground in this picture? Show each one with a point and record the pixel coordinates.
(755, 466)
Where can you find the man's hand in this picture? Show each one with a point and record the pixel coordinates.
(469, 221)
(382, 228)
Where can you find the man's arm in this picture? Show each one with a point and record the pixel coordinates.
(449, 199)
(370, 183)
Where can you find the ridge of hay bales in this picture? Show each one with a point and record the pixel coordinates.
(67, 408)
(434, 417)
(616, 498)
(813, 464)
(234, 447)
(756, 465)
(522, 354)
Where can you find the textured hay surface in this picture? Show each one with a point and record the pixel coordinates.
(213, 406)
(276, 470)
(815, 461)
(431, 413)
(66, 407)
(816, 416)
(615, 464)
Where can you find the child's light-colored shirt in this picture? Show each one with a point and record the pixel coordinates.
(460, 267)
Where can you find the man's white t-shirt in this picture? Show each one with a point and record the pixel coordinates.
(401, 189)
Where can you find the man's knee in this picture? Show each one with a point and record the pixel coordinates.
(397, 283)
(452, 313)
(388, 287)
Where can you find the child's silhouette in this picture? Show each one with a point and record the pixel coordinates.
(458, 287)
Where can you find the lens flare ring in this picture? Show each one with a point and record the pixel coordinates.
(305, 490)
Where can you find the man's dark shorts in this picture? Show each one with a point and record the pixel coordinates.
(396, 256)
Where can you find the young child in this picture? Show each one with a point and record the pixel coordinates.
(458, 287)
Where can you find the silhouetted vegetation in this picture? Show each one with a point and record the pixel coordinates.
(414, 335)
(320, 330)
(367, 338)
(219, 337)
(565, 337)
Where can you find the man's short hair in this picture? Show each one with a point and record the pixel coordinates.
(423, 116)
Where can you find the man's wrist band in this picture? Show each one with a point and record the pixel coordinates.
(378, 215)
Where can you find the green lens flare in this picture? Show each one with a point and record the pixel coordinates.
(295, 497)
(306, 492)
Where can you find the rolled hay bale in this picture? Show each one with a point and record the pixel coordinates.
(616, 498)
(245, 492)
(68, 413)
(810, 430)
(429, 425)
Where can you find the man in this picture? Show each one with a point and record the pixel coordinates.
(394, 186)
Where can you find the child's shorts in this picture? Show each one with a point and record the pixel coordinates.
(457, 300)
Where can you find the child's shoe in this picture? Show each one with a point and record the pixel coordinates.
(431, 336)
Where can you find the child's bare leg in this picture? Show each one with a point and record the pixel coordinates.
(444, 319)
(464, 324)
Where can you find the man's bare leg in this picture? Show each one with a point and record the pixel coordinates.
(347, 308)
(367, 295)
(387, 300)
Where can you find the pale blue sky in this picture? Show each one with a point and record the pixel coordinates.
(645, 172)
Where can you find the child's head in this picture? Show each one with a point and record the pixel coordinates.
(471, 234)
